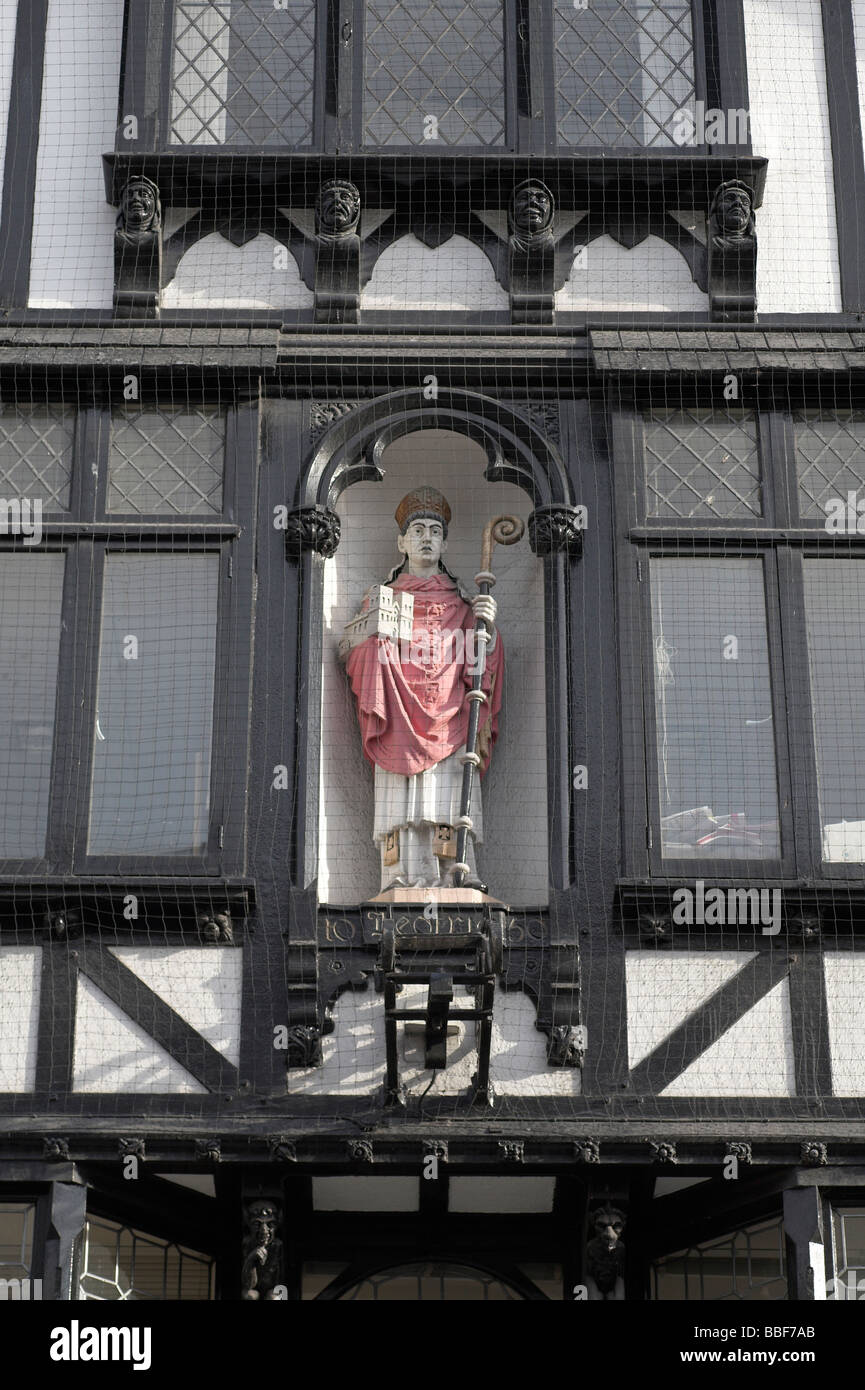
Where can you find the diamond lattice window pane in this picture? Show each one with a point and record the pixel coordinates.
(622, 71)
(830, 457)
(243, 73)
(36, 445)
(434, 70)
(702, 463)
(167, 462)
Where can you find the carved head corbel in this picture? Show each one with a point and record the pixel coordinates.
(140, 207)
(337, 210)
(531, 211)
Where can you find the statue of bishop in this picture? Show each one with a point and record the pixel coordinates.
(410, 657)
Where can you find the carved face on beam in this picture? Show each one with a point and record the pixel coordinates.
(609, 1224)
(731, 207)
(139, 207)
(337, 208)
(263, 1218)
(532, 209)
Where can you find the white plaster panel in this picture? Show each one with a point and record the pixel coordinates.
(196, 1182)
(652, 277)
(664, 1187)
(365, 1194)
(8, 16)
(858, 7)
(501, 1195)
(513, 857)
(20, 987)
(664, 989)
(456, 275)
(213, 274)
(73, 226)
(112, 1053)
(845, 1001)
(797, 256)
(203, 986)
(753, 1058)
(353, 1055)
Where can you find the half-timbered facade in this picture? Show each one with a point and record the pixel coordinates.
(264, 268)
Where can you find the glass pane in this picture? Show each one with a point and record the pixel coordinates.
(16, 1239)
(746, 1266)
(702, 463)
(36, 445)
(122, 1265)
(31, 592)
(835, 611)
(151, 752)
(830, 458)
(434, 73)
(166, 462)
(713, 710)
(623, 70)
(243, 73)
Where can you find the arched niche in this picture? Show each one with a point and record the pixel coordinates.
(351, 441)
(651, 277)
(456, 275)
(214, 274)
(513, 858)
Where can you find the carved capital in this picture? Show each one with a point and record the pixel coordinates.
(567, 1046)
(814, 1154)
(282, 1149)
(208, 1150)
(587, 1151)
(512, 1150)
(303, 1048)
(556, 529)
(63, 923)
(656, 926)
(312, 528)
(55, 1150)
(663, 1152)
(359, 1150)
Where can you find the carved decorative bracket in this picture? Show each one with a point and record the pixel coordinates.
(732, 246)
(312, 528)
(556, 530)
(138, 250)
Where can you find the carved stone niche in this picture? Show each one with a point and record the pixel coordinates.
(605, 1255)
(337, 253)
(138, 250)
(262, 1268)
(732, 254)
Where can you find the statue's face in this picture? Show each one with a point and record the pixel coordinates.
(609, 1226)
(262, 1222)
(423, 544)
(139, 205)
(338, 207)
(734, 210)
(532, 208)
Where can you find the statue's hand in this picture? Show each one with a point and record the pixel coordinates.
(485, 607)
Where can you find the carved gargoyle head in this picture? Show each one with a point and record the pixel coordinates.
(140, 209)
(262, 1221)
(337, 209)
(733, 209)
(531, 211)
(609, 1224)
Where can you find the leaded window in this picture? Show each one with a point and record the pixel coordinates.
(242, 73)
(623, 72)
(747, 1265)
(429, 76)
(742, 587)
(848, 1241)
(17, 1221)
(114, 615)
(125, 1265)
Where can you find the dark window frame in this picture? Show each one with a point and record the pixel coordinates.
(784, 543)
(530, 117)
(85, 537)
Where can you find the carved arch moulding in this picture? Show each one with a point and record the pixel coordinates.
(345, 444)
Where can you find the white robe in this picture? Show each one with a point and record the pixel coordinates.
(415, 806)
